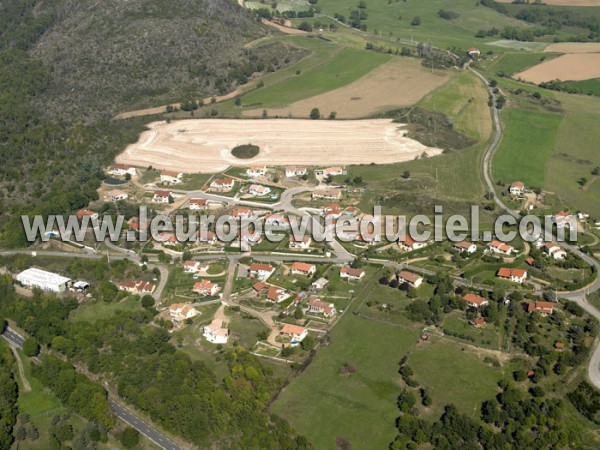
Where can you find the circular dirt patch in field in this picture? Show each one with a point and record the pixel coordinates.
(245, 151)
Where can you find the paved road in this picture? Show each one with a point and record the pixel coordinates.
(578, 296)
(119, 410)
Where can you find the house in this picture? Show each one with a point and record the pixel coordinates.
(41, 279)
(260, 271)
(407, 243)
(412, 279)
(517, 188)
(136, 225)
(242, 213)
(500, 247)
(544, 308)
(122, 170)
(197, 203)
(554, 250)
(332, 171)
(256, 171)
(167, 177)
(332, 210)
(276, 220)
(477, 323)
(350, 211)
(472, 52)
(194, 267)
(530, 261)
(207, 237)
(250, 237)
(320, 284)
(180, 312)
(295, 172)
(516, 275)
(222, 185)
(166, 238)
(276, 294)
(351, 274)
(465, 246)
(302, 243)
(300, 268)
(317, 306)
(258, 190)
(215, 332)
(86, 212)
(260, 287)
(563, 219)
(139, 287)
(294, 332)
(327, 194)
(475, 301)
(161, 196)
(116, 195)
(205, 287)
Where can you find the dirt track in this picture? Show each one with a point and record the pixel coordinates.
(569, 67)
(204, 145)
(399, 82)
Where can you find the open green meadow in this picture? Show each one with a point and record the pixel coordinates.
(93, 311)
(510, 63)
(589, 87)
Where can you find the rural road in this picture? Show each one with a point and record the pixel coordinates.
(577, 296)
(15, 339)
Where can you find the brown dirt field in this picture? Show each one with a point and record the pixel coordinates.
(570, 67)
(574, 47)
(204, 145)
(399, 82)
(281, 28)
(564, 2)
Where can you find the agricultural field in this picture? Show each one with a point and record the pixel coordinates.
(564, 2)
(568, 67)
(510, 63)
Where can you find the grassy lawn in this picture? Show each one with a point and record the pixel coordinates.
(90, 312)
(529, 139)
(453, 374)
(512, 62)
(192, 181)
(347, 65)
(590, 87)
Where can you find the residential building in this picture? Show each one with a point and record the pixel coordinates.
(332, 210)
(302, 243)
(167, 177)
(258, 190)
(517, 188)
(207, 237)
(222, 185)
(477, 323)
(165, 237)
(554, 250)
(351, 274)
(41, 279)
(256, 171)
(260, 287)
(86, 213)
(139, 287)
(117, 195)
(161, 196)
(242, 213)
(194, 267)
(295, 332)
(412, 279)
(472, 52)
(300, 268)
(276, 220)
(475, 301)
(180, 312)
(500, 247)
(408, 244)
(295, 172)
(205, 287)
(516, 275)
(327, 194)
(260, 271)
(216, 333)
(316, 306)
(465, 246)
(320, 284)
(250, 237)
(544, 308)
(332, 171)
(563, 219)
(197, 204)
(122, 170)
(277, 294)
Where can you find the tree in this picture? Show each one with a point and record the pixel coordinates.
(315, 114)
(305, 26)
(298, 314)
(129, 437)
(238, 101)
(406, 174)
(31, 347)
(308, 343)
(416, 21)
(147, 301)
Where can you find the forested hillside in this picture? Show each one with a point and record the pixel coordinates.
(67, 66)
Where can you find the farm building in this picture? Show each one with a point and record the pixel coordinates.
(517, 188)
(46, 281)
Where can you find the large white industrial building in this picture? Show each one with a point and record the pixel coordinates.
(47, 281)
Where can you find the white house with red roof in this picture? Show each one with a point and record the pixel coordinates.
(260, 271)
(180, 312)
(258, 190)
(169, 177)
(301, 243)
(242, 213)
(301, 268)
(139, 287)
(316, 306)
(205, 287)
(412, 279)
(408, 244)
(554, 250)
(117, 195)
(563, 219)
(500, 247)
(207, 237)
(277, 294)
(465, 246)
(332, 210)
(256, 171)
(295, 332)
(222, 185)
(515, 275)
(122, 170)
(475, 301)
(332, 171)
(517, 188)
(295, 171)
(197, 204)
(543, 308)
(473, 52)
(216, 332)
(351, 274)
(161, 196)
(194, 267)
(276, 220)
(86, 212)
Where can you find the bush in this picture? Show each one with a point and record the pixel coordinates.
(315, 114)
(245, 151)
(31, 347)
(129, 437)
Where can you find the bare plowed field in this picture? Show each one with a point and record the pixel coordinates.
(205, 145)
(570, 67)
(399, 82)
(573, 47)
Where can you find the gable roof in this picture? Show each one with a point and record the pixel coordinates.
(476, 299)
(302, 267)
(506, 272)
(409, 276)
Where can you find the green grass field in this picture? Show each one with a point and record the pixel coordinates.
(589, 87)
(511, 63)
(529, 139)
(344, 67)
(90, 312)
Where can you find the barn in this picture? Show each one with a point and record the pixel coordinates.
(46, 281)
